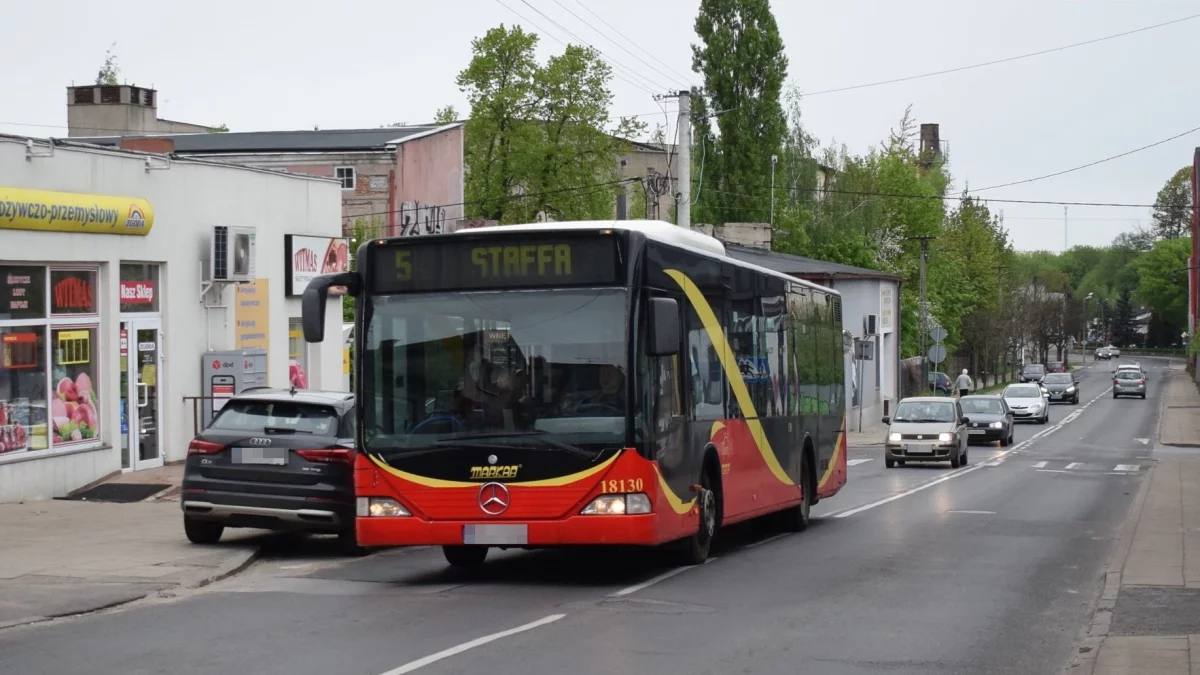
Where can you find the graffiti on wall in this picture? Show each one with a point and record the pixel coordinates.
(417, 219)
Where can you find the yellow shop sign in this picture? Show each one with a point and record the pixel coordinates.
(47, 211)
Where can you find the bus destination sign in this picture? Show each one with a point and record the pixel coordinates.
(504, 262)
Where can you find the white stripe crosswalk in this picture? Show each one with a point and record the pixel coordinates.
(1067, 466)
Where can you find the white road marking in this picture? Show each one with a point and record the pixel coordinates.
(978, 513)
(1143, 441)
(769, 539)
(1073, 465)
(477, 642)
(1040, 465)
(1051, 471)
(926, 486)
(856, 462)
(1127, 467)
(654, 580)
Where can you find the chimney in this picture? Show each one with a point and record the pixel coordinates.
(931, 145)
(110, 110)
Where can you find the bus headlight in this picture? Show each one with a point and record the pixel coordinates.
(379, 507)
(618, 505)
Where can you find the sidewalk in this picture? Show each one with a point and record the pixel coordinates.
(1148, 619)
(874, 432)
(60, 558)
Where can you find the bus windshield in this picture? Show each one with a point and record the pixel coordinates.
(539, 368)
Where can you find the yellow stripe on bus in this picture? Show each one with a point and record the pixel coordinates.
(441, 483)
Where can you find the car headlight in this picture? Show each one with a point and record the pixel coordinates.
(1070, 389)
(379, 507)
(894, 438)
(1036, 406)
(618, 505)
(946, 437)
(996, 425)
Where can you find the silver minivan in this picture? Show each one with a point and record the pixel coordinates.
(926, 429)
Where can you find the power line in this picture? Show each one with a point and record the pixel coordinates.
(900, 195)
(684, 78)
(616, 66)
(1004, 60)
(1090, 164)
(626, 50)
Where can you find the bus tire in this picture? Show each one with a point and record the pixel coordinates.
(465, 556)
(694, 550)
(796, 518)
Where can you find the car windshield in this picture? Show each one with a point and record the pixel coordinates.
(276, 417)
(982, 405)
(1022, 392)
(924, 411)
(1128, 375)
(1035, 369)
(1059, 378)
(543, 367)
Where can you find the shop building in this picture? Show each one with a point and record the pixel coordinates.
(120, 274)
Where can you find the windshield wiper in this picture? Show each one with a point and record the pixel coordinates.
(285, 430)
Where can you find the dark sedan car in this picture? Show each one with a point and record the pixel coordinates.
(1061, 387)
(274, 459)
(988, 419)
(1033, 372)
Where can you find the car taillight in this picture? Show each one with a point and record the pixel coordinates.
(1141, 382)
(199, 447)
(329, 456)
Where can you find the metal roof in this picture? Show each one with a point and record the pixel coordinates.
(799, 266)
(333, 140)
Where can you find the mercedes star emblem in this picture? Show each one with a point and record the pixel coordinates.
(493, 498)
(492, 459)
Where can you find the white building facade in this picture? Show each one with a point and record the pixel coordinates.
(108, 311)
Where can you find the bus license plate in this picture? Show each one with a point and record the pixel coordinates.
(496, 535)
(271, 456)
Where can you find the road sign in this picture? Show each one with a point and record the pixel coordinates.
(864, 350)
(937, 354)
(938, 334)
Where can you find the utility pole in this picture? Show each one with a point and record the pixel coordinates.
(923, 330)
(683, 197)
(1066, 245)
(774, 161)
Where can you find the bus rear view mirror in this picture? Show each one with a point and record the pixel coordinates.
(315, 299)
(664, 327)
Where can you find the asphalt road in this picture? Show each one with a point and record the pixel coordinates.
(988, 569)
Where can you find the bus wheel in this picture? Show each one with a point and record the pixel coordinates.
(796, 518)
(695, 549)
(465, 556)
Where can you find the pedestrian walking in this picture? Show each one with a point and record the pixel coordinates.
(963, 384)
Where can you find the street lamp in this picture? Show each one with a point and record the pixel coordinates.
(1085, 322)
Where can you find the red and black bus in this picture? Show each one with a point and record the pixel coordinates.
(585, 383)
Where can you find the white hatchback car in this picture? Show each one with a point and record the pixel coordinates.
(1028, 402)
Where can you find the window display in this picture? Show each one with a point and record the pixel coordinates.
(73, 408)
(72, 292)
(139, 287)
(23, 389)
(22, 292)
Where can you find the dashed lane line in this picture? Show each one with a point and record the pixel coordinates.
(477, 642)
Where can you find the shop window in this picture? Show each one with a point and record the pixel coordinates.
(23, 389)
(139, 287)
(72, 292)
(297, 354)
(74, 405)
(22, 292)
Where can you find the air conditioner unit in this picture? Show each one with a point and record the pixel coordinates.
(871, 324)
(231, 254)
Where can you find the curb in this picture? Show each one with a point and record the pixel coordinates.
(1084, 662)
(229, 569)
(1162, 408)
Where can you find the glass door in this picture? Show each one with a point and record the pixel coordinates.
(141, 409)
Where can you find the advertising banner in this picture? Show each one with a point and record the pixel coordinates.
(47, 211)
(310, 257)
(252, 315)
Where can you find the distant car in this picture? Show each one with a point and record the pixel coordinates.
(1113, 352)
(1056, 367)
(988, 419)
(926, 429)
(1133, 366)
(274, 459)
(1061, 387)
(940, 383)
(1033, 372)
(1028, 402)
(1103, 354)
(1129, 382)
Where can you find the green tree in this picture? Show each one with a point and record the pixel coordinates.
(1123, 330)
(536, 141)
(360, 231)
(1173, 206)
(110, 71)
(1163, 288)
(741, 57)
(447, 115)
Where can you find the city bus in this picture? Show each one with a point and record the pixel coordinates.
(585, 383)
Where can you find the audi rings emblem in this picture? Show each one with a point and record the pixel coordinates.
(259, 441)
(493, 498)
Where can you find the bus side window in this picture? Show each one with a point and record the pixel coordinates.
(703, 369)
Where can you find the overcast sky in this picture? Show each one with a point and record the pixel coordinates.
(270, 65)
